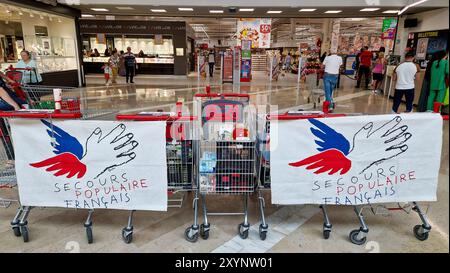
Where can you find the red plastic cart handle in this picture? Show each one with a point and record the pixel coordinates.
(295, 117)
(34, 115)
(216, 95)
(137, 117)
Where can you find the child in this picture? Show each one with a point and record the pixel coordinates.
(107, 71)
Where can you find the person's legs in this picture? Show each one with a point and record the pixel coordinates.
(441, 95)
(127, 73)
(131, 74)
(211, 69)
(409, 96)
(358, 77)
(398, 94)
(327, 87)
(333, 82)
(114, 75)
(431, 98)
(367, 76)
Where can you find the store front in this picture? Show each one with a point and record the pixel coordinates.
(48, 32)
(161, 47)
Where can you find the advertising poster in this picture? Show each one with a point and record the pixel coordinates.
(356, 160)
(422, 45)
(227, 66)
(255, 30)
(335, 36)
(388, 29)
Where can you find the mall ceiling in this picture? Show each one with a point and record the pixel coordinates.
(224, 12)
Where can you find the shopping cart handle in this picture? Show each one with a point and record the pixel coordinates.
(137, 117)
(215, 95)
(35, 115)
(295, 117)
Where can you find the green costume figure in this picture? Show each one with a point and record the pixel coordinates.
(439, 72)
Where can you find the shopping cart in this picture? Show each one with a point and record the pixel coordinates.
(180, 156)
(357, 236)
(226, 158)
(315, 88)
(41, 97)
(8, 179)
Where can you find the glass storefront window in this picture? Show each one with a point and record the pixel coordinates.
(52, 53)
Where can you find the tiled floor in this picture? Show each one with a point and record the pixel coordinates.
(292, 228)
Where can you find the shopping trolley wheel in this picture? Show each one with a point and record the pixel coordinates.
(422, 236)
(127, 235)
(204, 231)
(90, 237)
(16, 231)
(262, 232)
(354, 237)
(326, 234)
(243, 230)
(191, 234)
(24, 232)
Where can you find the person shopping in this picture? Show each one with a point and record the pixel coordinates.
(28, 67)
(114, 63)
(211, 62)
(8, 99)
(405, 74)
(378, 72)
(332, 65)
(365, 62)
(130, 65)
(439, 80)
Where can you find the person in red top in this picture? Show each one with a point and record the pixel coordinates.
(365, 62)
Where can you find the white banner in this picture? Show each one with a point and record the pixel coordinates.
(356, 160)
(91, 164)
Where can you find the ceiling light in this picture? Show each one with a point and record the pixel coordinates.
(391, 11)
(99, 9)
(411, 5)
(302, 10)
(8, 11)
(274, 11)
(42, 17)
(185, 9)
(31, 15)
(158, 10)
(87, 15)
(246, 9)
(333, 11)
(216, 11)
(59, 20)
(50, 18)
(370, 9)
(124, 8)
(20, 13)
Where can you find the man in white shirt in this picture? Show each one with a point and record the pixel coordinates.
(405, 74)
(332, 65)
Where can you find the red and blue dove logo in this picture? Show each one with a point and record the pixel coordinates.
(333, 148)
(68, 151)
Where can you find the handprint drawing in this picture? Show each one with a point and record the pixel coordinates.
(115, 146)
(337, 156)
